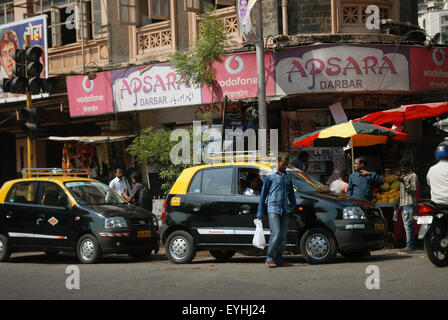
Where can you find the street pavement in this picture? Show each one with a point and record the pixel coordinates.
(409, 276)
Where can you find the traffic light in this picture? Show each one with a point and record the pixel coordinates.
(29, 127)
(27, 73)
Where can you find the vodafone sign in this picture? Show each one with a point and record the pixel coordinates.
(429, 69)
(90, 97)
(237, 78)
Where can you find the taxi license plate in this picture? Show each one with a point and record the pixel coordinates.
(144, 234)
(379, 226)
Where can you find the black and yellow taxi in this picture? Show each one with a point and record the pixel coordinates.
(213, 207)
(57, 210)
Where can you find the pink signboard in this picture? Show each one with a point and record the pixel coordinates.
(237, 78)
(429, 69)
(90, 97)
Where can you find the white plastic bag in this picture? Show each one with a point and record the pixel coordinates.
(259, 240)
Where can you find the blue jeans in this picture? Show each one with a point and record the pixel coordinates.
(278, 225)
(407, 212)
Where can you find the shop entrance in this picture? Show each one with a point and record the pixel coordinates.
(8, 162)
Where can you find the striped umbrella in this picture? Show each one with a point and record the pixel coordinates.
(361, 134)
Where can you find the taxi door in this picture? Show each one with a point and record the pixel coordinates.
(55, 222)
(209, 205)
(18, 215)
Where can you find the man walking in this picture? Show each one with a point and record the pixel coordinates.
(407, 200)
(362, 182)
(277, 190)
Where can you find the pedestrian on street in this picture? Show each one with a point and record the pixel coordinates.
(137, 186)
(437, 177)
(120, 184)
(277, 190)
(407, 200)
(362, 182)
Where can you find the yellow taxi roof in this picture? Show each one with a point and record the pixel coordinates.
(182, 182)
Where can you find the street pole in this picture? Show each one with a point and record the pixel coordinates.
(262, 115)
(28, 105)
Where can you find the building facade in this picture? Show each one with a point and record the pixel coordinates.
(344, 64)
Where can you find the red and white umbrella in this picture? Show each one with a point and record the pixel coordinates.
(406, 113)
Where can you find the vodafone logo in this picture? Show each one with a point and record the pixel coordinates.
(234, 64)
(84, 84)
(438, 56)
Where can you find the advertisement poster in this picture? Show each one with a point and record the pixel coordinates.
(247, 29)
(12, 38)
(342, 68)
(429, 69)
(151, 87)
(90, 97)
(237, 78)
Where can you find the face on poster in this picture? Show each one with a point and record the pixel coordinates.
(152, 87)
(247, 29)
(12, 38)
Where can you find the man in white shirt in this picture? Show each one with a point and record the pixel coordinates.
(253, 188)
(437, 176)
(120, 184)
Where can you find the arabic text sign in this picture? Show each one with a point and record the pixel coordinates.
(151, 87)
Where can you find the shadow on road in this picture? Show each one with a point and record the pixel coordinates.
(202, 258)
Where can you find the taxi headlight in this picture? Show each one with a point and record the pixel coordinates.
(116, 222)
(353, 213)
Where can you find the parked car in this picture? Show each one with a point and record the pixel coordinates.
(207, 209)
(57, 212)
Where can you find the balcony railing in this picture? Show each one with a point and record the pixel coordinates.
(154, 40)
(68, 58)
(229, 15)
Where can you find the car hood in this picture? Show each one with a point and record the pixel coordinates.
(119, 210)
(342, 200)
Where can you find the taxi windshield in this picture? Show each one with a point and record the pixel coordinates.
(93, 193)
(305, 183)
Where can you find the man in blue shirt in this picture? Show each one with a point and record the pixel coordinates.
(361, 183)
(277, 190)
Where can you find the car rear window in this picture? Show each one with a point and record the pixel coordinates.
(212, 181)
(22, 192)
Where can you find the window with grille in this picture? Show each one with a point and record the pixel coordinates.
(64, 19)
(444, 28)
(6, 12)
(355, 14)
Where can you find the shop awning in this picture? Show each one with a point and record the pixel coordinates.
(91, 139)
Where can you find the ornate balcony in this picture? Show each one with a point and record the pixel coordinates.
(68, 58)
(154, 42)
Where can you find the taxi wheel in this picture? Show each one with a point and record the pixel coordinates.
(222, 255)
(5, 252)
(318, 246)
(88, 249)
(180, 247)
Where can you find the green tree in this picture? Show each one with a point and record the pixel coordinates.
(197, 62)
(197, 66)
(153, 146)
